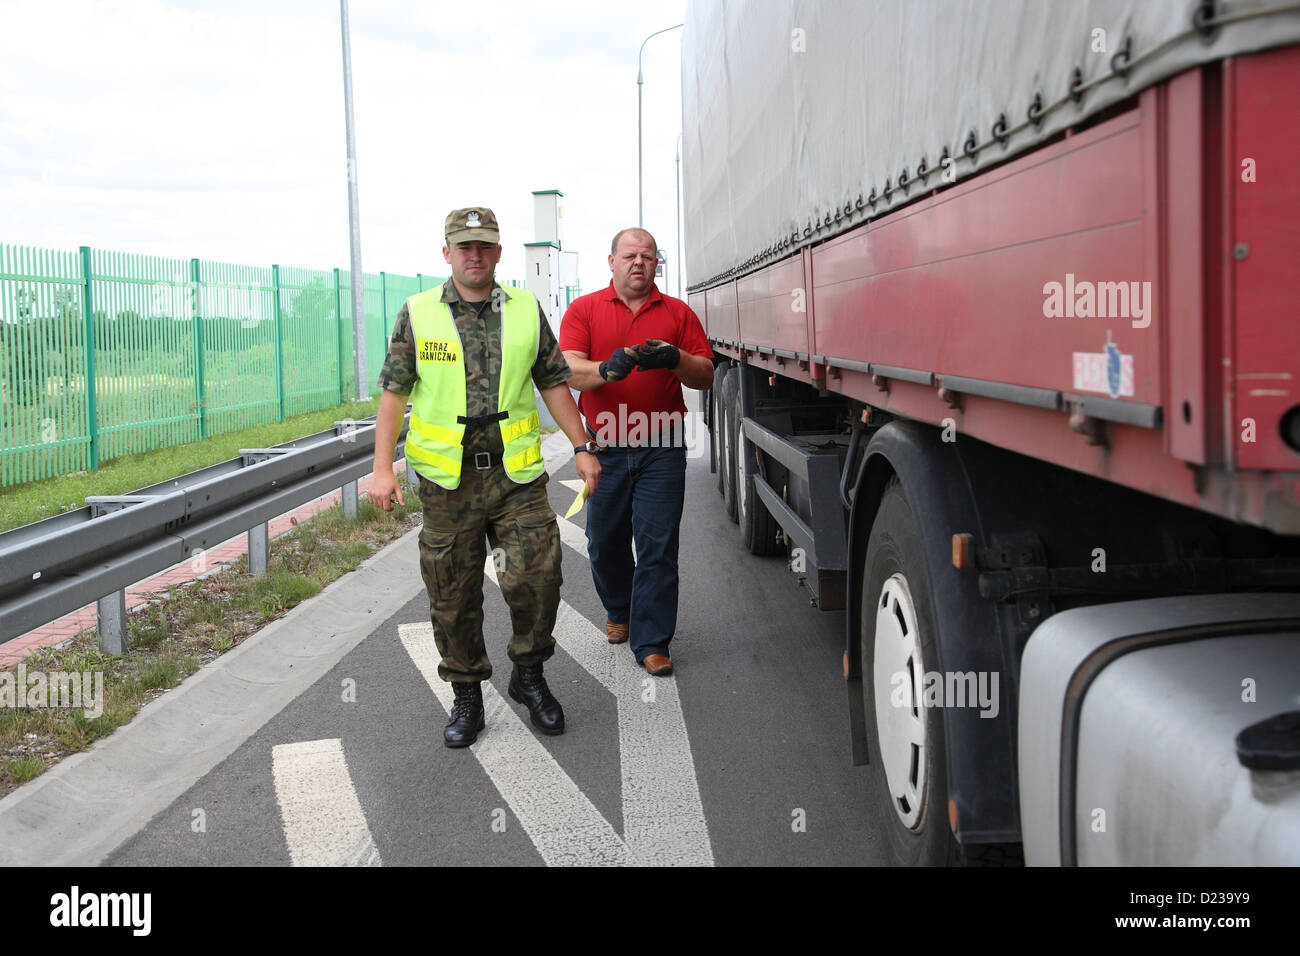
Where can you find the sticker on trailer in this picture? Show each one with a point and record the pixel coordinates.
(1109, 372)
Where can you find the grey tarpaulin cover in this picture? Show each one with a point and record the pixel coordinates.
(792, 110)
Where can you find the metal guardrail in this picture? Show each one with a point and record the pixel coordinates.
(52, 567)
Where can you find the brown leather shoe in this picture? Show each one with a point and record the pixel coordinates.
(657, 665)
(617, 633)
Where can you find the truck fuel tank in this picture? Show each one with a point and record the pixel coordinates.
(1131, 744)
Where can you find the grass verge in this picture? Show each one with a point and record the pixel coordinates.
(194, 624)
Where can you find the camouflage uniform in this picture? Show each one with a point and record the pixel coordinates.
(516, 520)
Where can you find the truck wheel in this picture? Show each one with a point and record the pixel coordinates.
(728, 401)
(757, 527)
(716, 423)
(909, 782)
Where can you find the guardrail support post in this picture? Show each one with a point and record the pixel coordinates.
(111, 608)
(112, 622)
(258, 547)
(347, 430)
(259, 537)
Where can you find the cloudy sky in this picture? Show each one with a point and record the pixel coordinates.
(215, 129)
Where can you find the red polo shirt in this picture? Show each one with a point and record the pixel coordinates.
(601, 322)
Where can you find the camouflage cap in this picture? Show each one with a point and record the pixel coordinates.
(476, 223)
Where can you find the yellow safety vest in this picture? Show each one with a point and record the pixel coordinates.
(434, 440)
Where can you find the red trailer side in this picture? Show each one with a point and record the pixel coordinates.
(1113, 302)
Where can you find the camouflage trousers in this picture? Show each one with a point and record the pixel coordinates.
(517, 521)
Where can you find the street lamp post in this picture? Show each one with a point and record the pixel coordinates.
(640, 205)
(358, 278)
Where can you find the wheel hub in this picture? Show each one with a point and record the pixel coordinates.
(901, 716)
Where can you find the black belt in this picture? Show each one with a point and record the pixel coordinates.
(483, 460)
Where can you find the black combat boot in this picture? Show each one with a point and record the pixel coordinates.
(528, 687)
(466, 715)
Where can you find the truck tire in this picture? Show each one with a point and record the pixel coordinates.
(716, 420)
(757, 526)
(729, 399)
(909, 785)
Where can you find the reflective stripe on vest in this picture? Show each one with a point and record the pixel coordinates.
(434, 441)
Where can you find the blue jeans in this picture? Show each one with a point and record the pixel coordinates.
(639, 497)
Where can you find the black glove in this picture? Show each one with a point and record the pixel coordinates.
(656, 353)
(619, 365)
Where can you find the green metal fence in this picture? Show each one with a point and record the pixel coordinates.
(44, 329)
(105, 354)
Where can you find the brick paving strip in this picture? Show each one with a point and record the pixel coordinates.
(70, 625)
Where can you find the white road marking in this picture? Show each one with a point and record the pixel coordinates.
(562, 823)
(576, 537)
(663, 816)
(572, 535)
(573, 484)
(323, 821)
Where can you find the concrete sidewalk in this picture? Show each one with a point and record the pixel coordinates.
(85, 806)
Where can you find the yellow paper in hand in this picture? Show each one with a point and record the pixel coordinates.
(574, 508)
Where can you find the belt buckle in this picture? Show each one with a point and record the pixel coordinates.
(482, 460)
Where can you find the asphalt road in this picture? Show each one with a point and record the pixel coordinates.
(740, 759)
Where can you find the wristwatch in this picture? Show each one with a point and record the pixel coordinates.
(591, 447)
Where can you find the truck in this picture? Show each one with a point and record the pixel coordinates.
(1000, 294)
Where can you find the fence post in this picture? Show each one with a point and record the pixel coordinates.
(279, 337)
(383, 303)
(92, 416)
(198, 348)
(338, 327)
(419, 278)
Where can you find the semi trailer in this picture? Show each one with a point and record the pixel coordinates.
(1001, 297)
